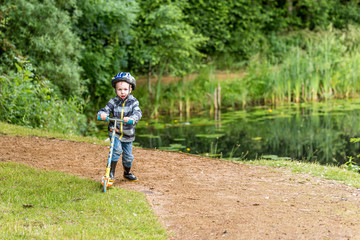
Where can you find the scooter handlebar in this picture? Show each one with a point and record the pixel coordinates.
(131, 121)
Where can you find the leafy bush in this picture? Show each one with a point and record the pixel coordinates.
(29, 101)
(43, 32)
(351, 165)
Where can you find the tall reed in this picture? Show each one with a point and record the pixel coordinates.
(321, 67)
(316, 66)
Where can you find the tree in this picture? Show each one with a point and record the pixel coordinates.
(42, 31)
(164, 42)
(104, 28)
(210, 19)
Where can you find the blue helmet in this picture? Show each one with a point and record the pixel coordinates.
(124, 77)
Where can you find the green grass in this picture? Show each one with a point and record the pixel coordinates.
(39, 204)
(342, 175)
(10, 129)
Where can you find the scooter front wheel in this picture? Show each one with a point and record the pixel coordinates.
(104, 186)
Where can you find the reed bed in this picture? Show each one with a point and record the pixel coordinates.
(316, 66)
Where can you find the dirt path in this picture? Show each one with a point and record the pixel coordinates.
(201, 198)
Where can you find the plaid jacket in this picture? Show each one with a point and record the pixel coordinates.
(120, 108)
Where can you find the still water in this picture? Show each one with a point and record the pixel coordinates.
(317, 132)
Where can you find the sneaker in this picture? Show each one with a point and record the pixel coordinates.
(129, 176)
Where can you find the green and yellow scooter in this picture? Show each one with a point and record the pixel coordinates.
(105, 181)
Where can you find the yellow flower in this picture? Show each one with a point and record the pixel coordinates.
(188, 149)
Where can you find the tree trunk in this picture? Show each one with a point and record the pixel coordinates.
(157, 94)
(290, 7)
(149, 79)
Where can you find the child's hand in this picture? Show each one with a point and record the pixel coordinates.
(103, 116)
(126, 119)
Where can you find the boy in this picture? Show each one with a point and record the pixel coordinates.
(124, 106)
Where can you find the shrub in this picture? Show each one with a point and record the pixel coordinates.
(29, 101)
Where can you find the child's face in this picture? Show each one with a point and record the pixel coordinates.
(123, 89)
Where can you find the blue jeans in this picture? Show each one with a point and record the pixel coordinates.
(124, 148)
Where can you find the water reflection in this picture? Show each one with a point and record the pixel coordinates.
(318, 132)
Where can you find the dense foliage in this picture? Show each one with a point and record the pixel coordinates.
(76, 46)
(28, 101)
(105, 30)
(41, 30)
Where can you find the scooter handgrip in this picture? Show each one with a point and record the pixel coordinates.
(131, 121)
(99, 118)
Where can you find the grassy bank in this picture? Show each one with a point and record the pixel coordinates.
(15, 130)
(39, 204)
(342, 175)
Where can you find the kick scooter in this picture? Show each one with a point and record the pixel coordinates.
(105, 181)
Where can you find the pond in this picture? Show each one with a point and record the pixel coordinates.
(317, 132)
